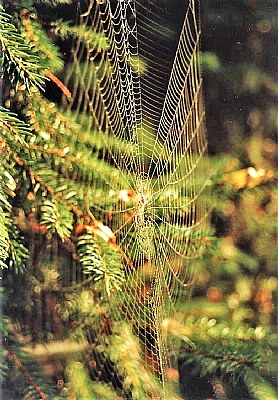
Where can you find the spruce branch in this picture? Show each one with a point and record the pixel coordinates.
(85, 166)
(37, 39)
(57, 217)
(259, 387)
(52, 3)
(40, 181)
(29, 4)
(91, 38)
(13, 128)
(50, 58)
(18, 60)
(13, 357)
(12, 251)
(71, 137)
(34, 384)
(232, 359)
(82, 387)
(4, 240)
(4, 333)
(18, 129)
(136, 376)
(97, 227)
(18, 253)
(216, 349)
(221, 359)
(71, 143)
(100, 261)
(7, 187)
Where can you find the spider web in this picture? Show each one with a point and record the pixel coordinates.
(143, 94)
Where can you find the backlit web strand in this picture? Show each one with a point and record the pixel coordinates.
(144, 93)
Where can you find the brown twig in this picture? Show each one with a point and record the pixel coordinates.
(59, 83)
(13, 357)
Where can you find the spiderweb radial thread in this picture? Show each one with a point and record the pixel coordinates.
(143, 95)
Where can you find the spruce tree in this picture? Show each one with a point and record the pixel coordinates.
(61, 268)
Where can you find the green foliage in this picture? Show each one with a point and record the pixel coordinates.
(210, 62)
(4, 241)
(57, 217)
(4, 335)
(51, 155)
(18, 60)
(13, 129)
(137, 379)
(231, 357)
(30, 4)
(235, 282)
(89, 256)
(41, 44)
(101, 261)
(52, 3)
(103, 391)
(19, 388)
(88, 36)
(232, 353)
(18, 253)
(72, 145)
(20, 375)
(82, 388)
(12, 251)
(5, 212)
(259, 388)
(83, 305)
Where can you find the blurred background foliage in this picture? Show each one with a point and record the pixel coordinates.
(236, 281)
(235, 293)
(240, 70)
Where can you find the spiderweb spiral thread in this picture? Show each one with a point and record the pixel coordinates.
(144, 92)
